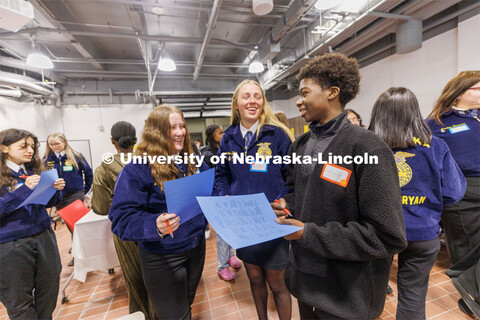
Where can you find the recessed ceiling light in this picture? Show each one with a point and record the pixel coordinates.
(158, 10)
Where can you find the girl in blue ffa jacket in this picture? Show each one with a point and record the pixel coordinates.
(71, 166)
(254, 131)
(429, 178)
(455, 119)
(171, 265)
(29, 260)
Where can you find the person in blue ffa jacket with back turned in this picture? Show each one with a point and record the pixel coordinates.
(255, 130)
(29, 259)
(429, 178)
(351, 213)
(171, 265)
(455, 119)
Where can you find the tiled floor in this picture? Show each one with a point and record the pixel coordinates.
(103, 296)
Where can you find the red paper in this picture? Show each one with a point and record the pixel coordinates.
(73, 212)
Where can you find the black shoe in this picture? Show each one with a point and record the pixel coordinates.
(389, 290)
(464, 308)
(70, 251)
(71, 263)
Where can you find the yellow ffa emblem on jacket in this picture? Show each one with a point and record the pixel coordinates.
(405, 173)
(68, 162)
(263, 149)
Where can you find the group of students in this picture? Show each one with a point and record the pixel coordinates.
(337, 265)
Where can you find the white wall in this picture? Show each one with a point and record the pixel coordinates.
(76, 122)
(424, 71)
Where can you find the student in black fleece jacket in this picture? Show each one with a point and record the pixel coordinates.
(353, 222)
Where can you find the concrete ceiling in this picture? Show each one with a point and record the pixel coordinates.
(106, 51)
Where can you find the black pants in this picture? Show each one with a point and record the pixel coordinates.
(308, 312)
(30, 276)
(414, 265)
(461, 222)
(172, 280)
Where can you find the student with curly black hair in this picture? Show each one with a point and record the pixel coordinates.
(350, 213)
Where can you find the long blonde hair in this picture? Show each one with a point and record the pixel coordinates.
(266, 117)
(72, 155)
(157, 140)
(454, 88)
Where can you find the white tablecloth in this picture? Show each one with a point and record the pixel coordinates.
(92, 246)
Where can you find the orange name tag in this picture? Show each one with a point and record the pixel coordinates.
(336, 174)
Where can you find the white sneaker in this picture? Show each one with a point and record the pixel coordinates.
(207, 234)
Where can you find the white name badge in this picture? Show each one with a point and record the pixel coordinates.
(336, 174)
(463, 127)
(67, 168)
(15, 187)
(258, 167)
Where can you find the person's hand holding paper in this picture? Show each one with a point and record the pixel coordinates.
(43, 190)
(181, 194)
(243, 221)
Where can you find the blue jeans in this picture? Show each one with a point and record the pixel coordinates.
(224, 252)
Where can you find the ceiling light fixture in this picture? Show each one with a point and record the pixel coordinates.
(166, 63)
(256, 67)
(262, 7)
(158, 10)
(37, 59)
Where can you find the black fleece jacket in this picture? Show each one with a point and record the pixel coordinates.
(342, 264)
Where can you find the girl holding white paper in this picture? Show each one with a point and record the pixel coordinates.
(255, 130)
(29, 258)
(171, 265)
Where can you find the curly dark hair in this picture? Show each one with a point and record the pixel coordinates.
(334, 69)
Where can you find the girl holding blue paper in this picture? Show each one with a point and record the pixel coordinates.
(29, 258)
(255, 130)
(171, 265)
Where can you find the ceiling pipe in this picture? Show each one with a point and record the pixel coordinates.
(23, 82)
(129, 36)
(141, 62)
(208, 35)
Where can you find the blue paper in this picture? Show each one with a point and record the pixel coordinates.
(180, 194)
(243, 221)
(44, 191)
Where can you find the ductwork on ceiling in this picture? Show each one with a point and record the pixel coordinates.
(25, 83)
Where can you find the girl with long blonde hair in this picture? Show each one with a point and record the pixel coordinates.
(255, 131)
(72, 167)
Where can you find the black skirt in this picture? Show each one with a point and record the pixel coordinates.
(270, 255)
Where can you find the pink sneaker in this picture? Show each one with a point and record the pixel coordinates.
(226, 274)
(234, 263)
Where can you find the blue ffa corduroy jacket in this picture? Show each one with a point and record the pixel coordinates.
(137, 203)
(429, 178)
(238, 179)
(73, 177)
(461, 132)
(27, 220)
